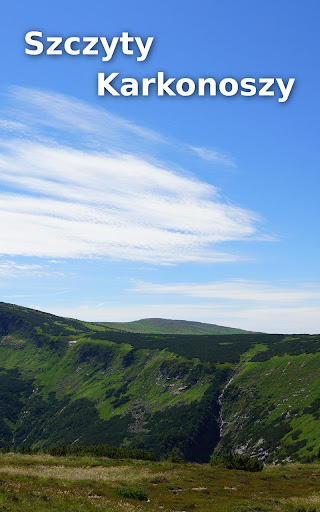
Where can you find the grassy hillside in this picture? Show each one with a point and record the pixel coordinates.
(164, 326)
(66, 381)
(272, 407)
(40, 483)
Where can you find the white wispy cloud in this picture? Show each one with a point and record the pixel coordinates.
(13, 269)
(298, 319)
(63, 199)
(212, 156)
(11, 126)
(234, 290)
(94, 126)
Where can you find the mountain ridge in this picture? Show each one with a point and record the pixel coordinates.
(67, 381)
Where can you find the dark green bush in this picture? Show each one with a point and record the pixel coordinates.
(5, 449)
(240, 462)
(135, 493)
(176, 455)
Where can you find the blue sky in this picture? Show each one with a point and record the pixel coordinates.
(206, 209)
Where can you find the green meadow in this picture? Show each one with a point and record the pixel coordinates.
(65, 484)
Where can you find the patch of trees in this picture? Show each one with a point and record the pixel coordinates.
(293, 346)
(239, 462)
(313, 408)
(99, 354)
(100, 450)
(13, 390)
(211, 348)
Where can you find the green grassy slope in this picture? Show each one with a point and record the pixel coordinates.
(272, 407)
(165, 326)
(62, 380)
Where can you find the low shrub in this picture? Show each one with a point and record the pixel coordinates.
(135, 493)
(176, 456)
(240, 462)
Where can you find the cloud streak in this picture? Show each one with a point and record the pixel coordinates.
(12, 269)
(95, 127)
(233, 290)
(64, 200)
(211, 155)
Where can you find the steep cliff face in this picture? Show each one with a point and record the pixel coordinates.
(59, 385)
(271, 408)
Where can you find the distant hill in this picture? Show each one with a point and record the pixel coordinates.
(165, 326)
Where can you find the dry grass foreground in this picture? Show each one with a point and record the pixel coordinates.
(45, 483)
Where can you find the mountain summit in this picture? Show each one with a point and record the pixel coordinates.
(167, 326)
